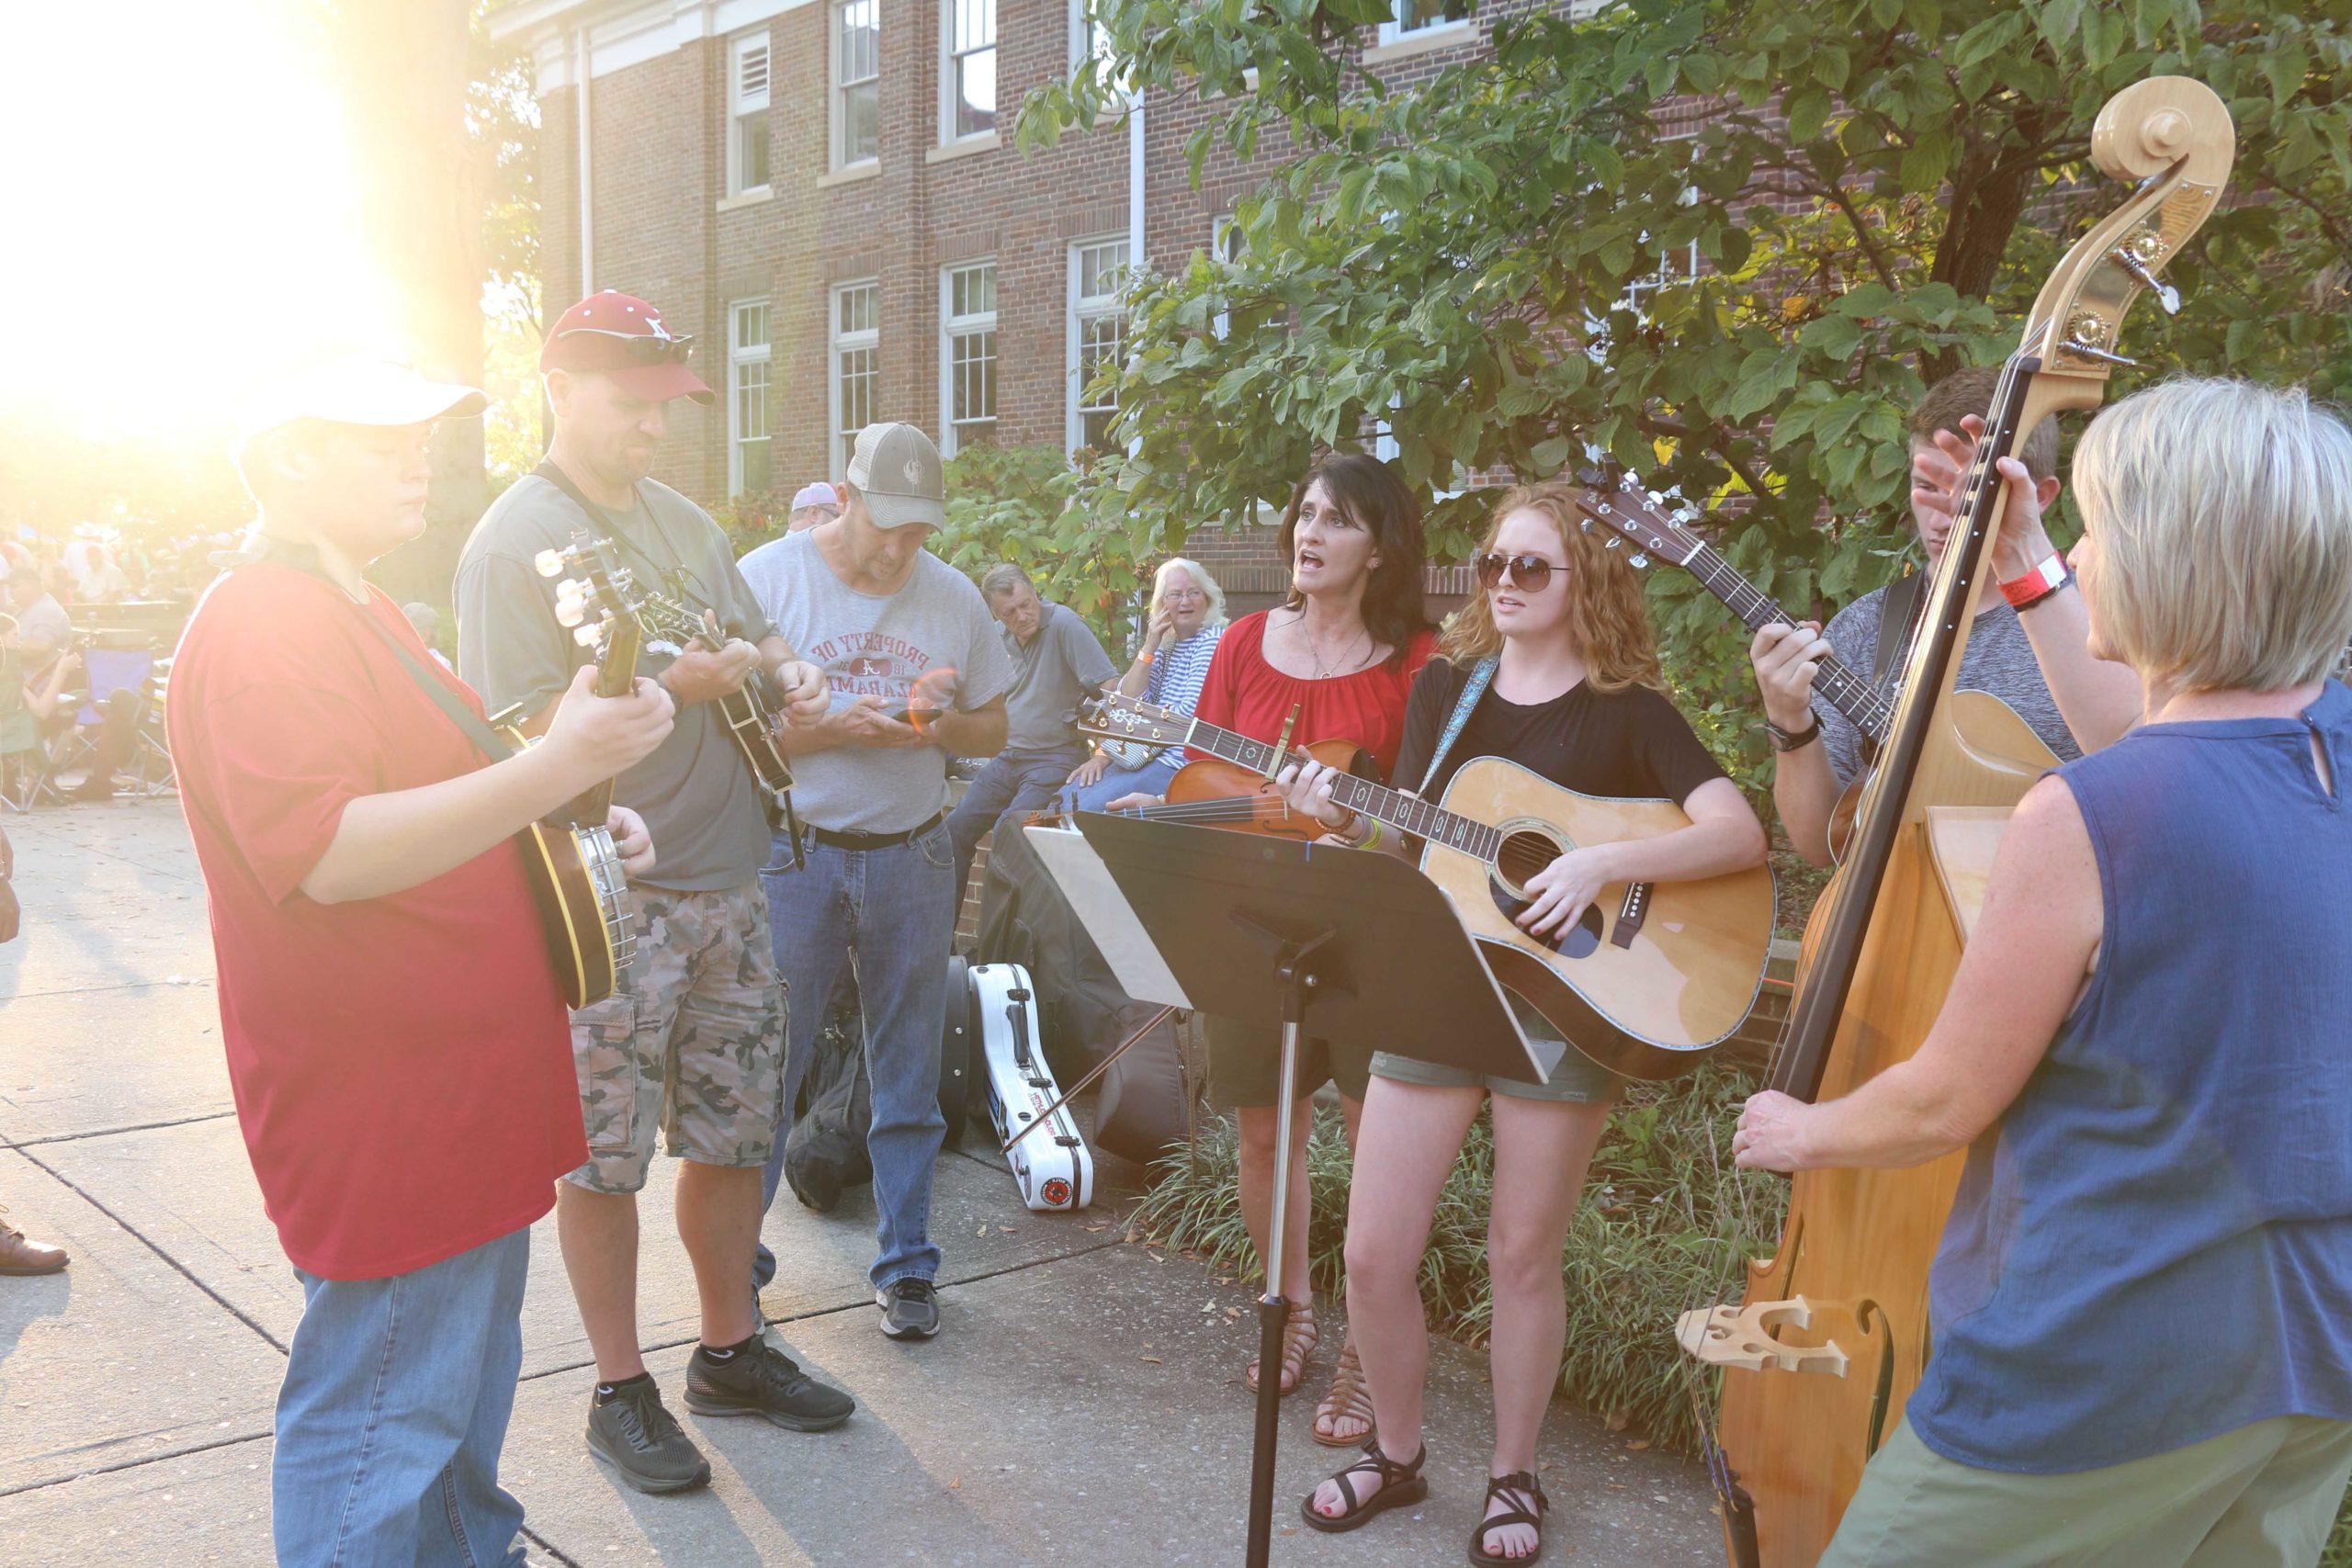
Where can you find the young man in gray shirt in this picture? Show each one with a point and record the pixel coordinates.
(1057, 663)
(691, 1043)
(2035, 659)
(917, 674)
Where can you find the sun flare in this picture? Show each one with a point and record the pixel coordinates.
(183, 221)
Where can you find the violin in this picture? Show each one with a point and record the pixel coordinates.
(1210, 792)
(1817, 1360)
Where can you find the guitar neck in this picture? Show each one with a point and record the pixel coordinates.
(1404, 812)
(1862, 704)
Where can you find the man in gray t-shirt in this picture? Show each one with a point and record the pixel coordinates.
(2027, 644)
(918, 675)
(1057, 663)
(691, 1043)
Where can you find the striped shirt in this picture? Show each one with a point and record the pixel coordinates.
(1175, 680)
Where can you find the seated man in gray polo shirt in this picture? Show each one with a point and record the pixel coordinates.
(1056, 661)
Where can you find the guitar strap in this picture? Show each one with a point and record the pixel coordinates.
(1898, 608)
(1482, 675)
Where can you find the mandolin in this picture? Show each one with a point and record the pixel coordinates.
(1649, 977)
(1992, 727)
(1818, 1359)
(747, 712)
(572, 866)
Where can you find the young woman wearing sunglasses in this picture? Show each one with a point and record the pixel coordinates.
(1575, 695)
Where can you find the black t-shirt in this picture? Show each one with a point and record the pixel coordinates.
(1630, 744)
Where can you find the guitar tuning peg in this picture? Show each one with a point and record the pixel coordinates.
(1610, 543)
(569, 612)
(549, 562)
(1639, 558)
(587, 637)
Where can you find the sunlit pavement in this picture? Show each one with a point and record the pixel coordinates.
(1084, 1404)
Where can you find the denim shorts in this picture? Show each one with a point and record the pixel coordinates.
(1578, 1080)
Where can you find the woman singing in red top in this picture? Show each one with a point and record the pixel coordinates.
(1343, 650)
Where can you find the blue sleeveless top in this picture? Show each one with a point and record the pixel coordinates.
(2153, 1246)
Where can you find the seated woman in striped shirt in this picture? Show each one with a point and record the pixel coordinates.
(1186, 617)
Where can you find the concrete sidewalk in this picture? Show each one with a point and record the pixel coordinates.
(1084, 1404)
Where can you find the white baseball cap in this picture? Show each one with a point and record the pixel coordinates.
(355, 390)
(896, 470)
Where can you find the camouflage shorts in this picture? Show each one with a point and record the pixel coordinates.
(691, 1041)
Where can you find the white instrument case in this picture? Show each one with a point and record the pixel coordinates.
(1052, 1165)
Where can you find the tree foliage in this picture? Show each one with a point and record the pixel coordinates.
(1495, 260)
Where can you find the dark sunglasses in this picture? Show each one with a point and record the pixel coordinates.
(1533, 574)
(639, 348)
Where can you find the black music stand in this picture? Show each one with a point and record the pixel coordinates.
(1270, 932)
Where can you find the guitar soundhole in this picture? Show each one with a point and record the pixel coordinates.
(1521, 855)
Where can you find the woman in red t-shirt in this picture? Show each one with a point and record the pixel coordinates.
(1342, 652)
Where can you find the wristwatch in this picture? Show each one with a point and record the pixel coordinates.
(1794, 740)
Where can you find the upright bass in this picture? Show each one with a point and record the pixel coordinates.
(1832, 1334)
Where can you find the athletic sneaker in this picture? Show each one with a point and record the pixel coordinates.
(762, 1381)
(910, 1308)
(635, 1433)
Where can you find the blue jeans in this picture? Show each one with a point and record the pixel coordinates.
(394, 1406)
(1015, 781)
(891, 914)
(1150, 779)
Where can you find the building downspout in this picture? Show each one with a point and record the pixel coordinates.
(1137, 258)
(583, 78)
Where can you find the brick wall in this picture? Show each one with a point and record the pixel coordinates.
(666, 230)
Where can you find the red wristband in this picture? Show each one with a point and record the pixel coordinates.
(2036, 585)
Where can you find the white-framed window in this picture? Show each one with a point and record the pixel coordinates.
(1086, 36)
(967, 69)
(1097, 338)
(1409, 17)
(1226, 240)
(966, 356)
(857, 89)
(856, 326)
(747, 114)
(747, 397)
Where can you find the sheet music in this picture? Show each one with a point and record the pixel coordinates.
(1104, 910)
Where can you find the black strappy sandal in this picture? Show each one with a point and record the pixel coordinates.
(1523, 1493)
(1400, 1485)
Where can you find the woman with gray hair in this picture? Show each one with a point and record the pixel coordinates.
(1181, 628)
(2142, 1349)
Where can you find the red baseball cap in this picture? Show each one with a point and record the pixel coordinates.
(622, 337)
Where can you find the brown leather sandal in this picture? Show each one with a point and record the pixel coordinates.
(1401, 1486)
(1347, 1397)
(1301, 1334)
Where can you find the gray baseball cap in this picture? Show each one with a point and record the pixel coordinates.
(896, 470)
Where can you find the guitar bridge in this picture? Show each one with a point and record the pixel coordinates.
(1630, 915)
(1742, 1337)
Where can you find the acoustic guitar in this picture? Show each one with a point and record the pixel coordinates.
(573, 868)
(1989, 726)
(1647, 979)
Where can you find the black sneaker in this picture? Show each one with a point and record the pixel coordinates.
(765, 1381)
(910, 1308)
(635, 1433)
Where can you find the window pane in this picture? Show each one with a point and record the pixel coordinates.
(861, 41)
(1098, 269)
(975, 93)
(861, 120)
(755, 465)
(751, 151)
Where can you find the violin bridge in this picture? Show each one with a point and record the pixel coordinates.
(1742, 1337)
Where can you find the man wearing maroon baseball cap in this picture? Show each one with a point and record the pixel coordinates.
(624, 340)
(692, 1043)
